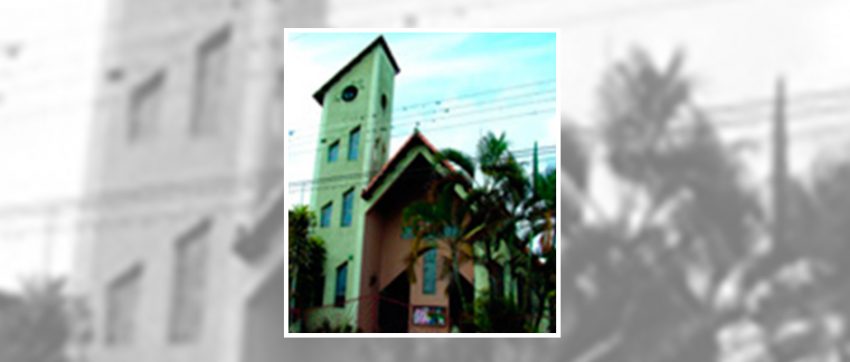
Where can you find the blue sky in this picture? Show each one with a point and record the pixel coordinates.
(470, 74)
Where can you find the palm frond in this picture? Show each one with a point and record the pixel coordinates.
(460, 159)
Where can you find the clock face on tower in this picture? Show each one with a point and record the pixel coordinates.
(349, 93)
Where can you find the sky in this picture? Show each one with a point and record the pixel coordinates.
(46, 98)
(516, 71)
(735, 49)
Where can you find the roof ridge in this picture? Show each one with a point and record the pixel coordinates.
(370, 187)
(319, 95)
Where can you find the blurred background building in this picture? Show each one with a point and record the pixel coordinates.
(177, 262)
(738, 49)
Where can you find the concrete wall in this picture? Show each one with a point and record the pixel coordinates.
(149, 192)
(370, 279)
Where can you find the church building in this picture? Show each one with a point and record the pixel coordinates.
(359, 199)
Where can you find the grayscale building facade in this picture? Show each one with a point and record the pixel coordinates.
(183, 260)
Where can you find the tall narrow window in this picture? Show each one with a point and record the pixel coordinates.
(122, 303)
(347, 205)
(211, 84)
(325, 219)
(354, 144)
(333, 152)
(341, 281)
(429, 272)
(145, 108)
(187, 303)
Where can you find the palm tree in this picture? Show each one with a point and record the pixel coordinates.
(687, 234)
(504, 195)
(495, 210)
(542, 257)
(446, 212)
(817, 225)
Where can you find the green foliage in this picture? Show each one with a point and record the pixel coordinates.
(820, 216)
(502, 211)
(307, 256)
(574, 155)
(444, 209)
(327, 327)
(35, 326)
(689, 214)
(662, 279)
(500, 315)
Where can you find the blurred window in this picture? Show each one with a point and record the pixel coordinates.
(146, 107)
(211, 101)
(187, 303)
(122, 303)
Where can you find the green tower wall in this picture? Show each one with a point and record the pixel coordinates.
(374, 76)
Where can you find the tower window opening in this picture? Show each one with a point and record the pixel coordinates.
(349, 93)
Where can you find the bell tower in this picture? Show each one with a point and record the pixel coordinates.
(353, 144)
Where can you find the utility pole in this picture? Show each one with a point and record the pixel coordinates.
(49, 239)
(534, 171)
(780, 165)
(781, 253)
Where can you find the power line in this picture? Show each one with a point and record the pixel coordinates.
(215, 185)
(363, 179)
(200, 186)
(355, 183)
(755, 112)
(406, 112)
(412, 106)
(517, 154)
(763, 104)
(198, 189)
(370, 136)
(800, 107)
(430, 113)
(429, 124)
(106, 220)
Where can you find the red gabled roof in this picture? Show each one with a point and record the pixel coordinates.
(415, 139)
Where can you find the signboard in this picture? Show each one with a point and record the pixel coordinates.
(431, 316)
